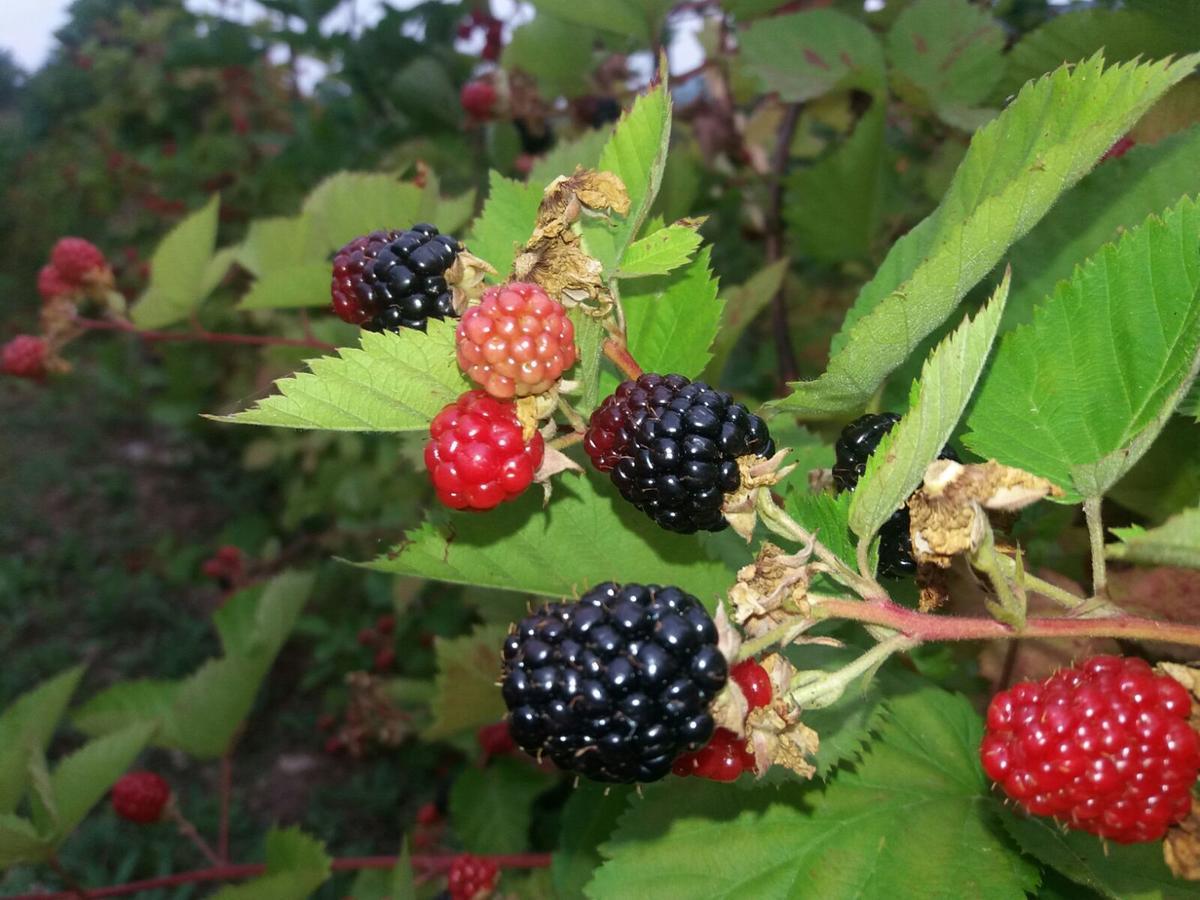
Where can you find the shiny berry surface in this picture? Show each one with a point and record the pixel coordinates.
(724, 758)
(478, 99)
(477, 456)
(754, 681)
(140, 797)
(517, 342)
(24, 356)
(472, 878)
(616, 686)
(76, 259)
(1103, 747)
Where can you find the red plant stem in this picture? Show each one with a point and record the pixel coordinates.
(927, 627)
(209, 337)
(251, 870)
(621, 357)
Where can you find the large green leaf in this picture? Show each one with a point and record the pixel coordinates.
(588, 819)
(807, 54)
(296, 866)
(126, 702)
(21, 843)
(275, 244)
(80, 780)
(255, 622)
(1016, 167)
(178, 268)
(628, 18)
(1176, 542)
(26, 727)
(349, 204)
(506, 223)
(587, 535)
(304, 284)
(466, 695)
(741, 304)
(911, 820)
(1070, 395)
(948, 379)
(565, 156)
(492, 808)
(395, 382)
(558, 72)
(660, 252)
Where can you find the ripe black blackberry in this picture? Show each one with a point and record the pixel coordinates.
(617, 685)
(854, 447)
(671, 447)
(394, 279)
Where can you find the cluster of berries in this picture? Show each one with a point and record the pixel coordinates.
(725, 757)
(371, 718)
(380, 639)
(493, 32)
(227, 566)
(472, 878)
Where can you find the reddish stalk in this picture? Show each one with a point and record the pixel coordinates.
(616, 351)
(209, 337)
(428, 864)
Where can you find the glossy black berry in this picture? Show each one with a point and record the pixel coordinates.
(388, 280)
(854, 447)
(615, 686)
(671, 447)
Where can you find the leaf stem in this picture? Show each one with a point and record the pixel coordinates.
(1095, 525)
(188, 830)
(782, 635)
(617, 351)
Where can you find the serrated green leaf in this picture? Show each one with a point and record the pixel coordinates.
(349, 204)
(395, 382)
(845, 727)
(506, 223)
(590, 335)
(629, 18)
(588, 819)
(210, 706)
(1014, 170)
(911, 820)
(125, 703)
(1119, 871)
(296, 866)
(827, 517)
(587, 535)
(742, 303)
(42, 802)
(1068, 395)
(466, 696)
(304, 284)
(946, 56)
(808, 54)
(565, 156)
(833, 208)
(80, 780)
(491, 808)
(217, 268)
(177, 270)
(256, 621)
(20, 842)
(559, 72)
(1176, 542)
(660, 252)
(275, 244)
(26, 727)
(948, 379)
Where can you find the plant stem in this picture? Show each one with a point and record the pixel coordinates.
(571, 415)
(1095, 525)
(828, 689)
(77, 891)
(615, 350)
(781, 634)
(434, 864)
(188, 830)
(789, 369)
(567, 440)
(210, 337)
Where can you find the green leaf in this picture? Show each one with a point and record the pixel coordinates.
(403, 884)
(296, 866)
(1014, 170)
(395, 382)
(349, 204)
(125, 703)
(1104, 361)
(590, 335)
(304, 284)
(911, 820)
(26, 727)
(466, 697)
(845, 727)
(828, 518)
(1119, 871)
(564, 156)
(1176, 542)
(833, 208)
(742, 304)
(1117, 196)
(588, 819)
(210, 706)
(628, 18)
(80, 780)
(808, 54)
(20, 842)
(946, 56)
(177, 270)
(506, 222)
(255, 622)
(661, 252)
(216, 269)
(559, 72)
(637, 154)
(273, 245)
(948, 379)
(587, 535)
(491, 808)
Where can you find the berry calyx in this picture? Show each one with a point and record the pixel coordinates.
(754, 681)
(52, 284)
(854, 447)
(24, 356)
(388, 280)
(616, 686)
(724, 758)
(478, 456)
(140, 797)
(1104, 747)
(77, 260)
(478, 99)
(671, 446)
(472, 878)
(517, 342)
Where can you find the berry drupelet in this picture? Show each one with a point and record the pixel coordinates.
(725, 757)
(388, 280)
(616, 686)
(854, 447)
(671, 446)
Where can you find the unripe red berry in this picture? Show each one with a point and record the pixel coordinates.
(1103, 747)
(754, 682)
(723, 758)
(478, 99)
(76, 259)
(428, 815)
(24, 356)
(472, 878)
(140, 797)
(516, 342)
(495, 740)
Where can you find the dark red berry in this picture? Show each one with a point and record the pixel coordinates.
(76, 259)
(385, 624)
(428, 815)
(140, 797)
(51, 283)
(385, 658)
(478, 456)
(478, 99)
(495, 740)
(472, 878)
(724, 758)
(754, 681)
(24, 356)
(1103, 747)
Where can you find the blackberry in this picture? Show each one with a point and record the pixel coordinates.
(671, 447)
(854, 447)
(616, 686)
(388, 280)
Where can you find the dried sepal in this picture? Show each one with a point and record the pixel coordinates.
(1181, 846)
(466, 279)
(756, 473)
(729, 638)
(771, 590)
(776, 736)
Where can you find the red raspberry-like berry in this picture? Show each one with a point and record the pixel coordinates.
(478, 99)
(140, 797)
(472, 878)
(428, 815)
(478, 457)
(723, 758)
(754, 682)
(516, 342)
(1104, 747)
(76, 259)
(385, 659)
(385, 624)
(24, 356)
(51, 284)
(495, 740)
(226, 565)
